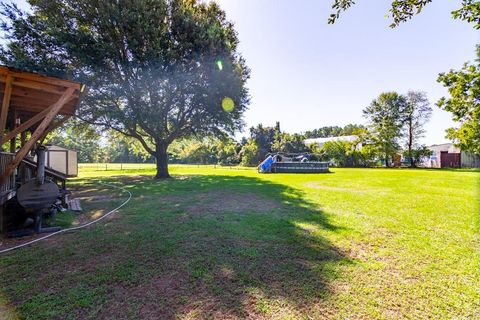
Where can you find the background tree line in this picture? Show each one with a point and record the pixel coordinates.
(159, 73)
(395, 123)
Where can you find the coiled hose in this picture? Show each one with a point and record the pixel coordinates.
(77, 227)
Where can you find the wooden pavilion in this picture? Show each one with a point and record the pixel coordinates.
(32, 106)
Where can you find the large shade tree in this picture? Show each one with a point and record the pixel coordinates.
(157, 70)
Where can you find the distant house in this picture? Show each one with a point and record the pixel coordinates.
(446, 155)
(321, 141)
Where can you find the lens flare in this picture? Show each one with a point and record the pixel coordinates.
(219, 64)
(227, 104)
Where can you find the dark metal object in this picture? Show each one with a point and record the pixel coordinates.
(37, 227)
(41, 164)
(56, 176)
(33, 196)
(38, 196)
(38, 193)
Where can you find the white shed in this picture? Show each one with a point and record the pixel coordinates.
(62, 160)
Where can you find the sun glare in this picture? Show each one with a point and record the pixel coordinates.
(227, 104)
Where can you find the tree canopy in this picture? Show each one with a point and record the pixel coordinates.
(334, 131)
(416, 114)
(157, 70)
(462, 85)
(385, 116)
(464, 103)
(78, 136)
(403, 10)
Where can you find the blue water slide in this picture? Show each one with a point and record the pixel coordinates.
(266, 164)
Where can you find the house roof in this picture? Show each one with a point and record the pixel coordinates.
(450, 147)
(448, 144)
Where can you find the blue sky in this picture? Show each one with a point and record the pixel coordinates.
(307, 74)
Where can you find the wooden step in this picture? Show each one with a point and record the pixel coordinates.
(74, 205)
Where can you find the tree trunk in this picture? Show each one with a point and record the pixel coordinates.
(410, 142)
(162, 161)
(387, 164)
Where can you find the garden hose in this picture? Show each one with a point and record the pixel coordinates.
(77, 227)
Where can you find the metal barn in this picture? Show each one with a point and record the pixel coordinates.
(469, 160)
(448, 156)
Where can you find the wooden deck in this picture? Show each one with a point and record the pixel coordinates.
(34, 103)
(7, 187)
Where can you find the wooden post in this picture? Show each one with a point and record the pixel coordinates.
(13, 140)
(56, 107)
(13, 145)
(23, 138)
(5, 103)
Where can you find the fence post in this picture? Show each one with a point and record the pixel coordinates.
(106, 167)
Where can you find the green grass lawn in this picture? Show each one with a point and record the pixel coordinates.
(231, 243)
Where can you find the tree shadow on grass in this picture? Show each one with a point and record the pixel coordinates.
(207, 246)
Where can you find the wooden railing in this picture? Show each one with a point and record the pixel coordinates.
(8, 184)
(29, 167)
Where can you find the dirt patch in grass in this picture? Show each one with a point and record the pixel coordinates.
(91, 191)
(101, 198)
(216, 202)
(158, 295)
(127, 180)
(7, 310)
